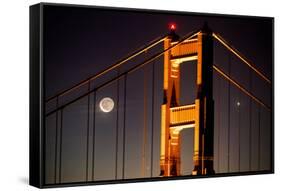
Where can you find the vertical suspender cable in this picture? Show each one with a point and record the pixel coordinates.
(259, 136)
(219, 116)
(144, 123)
(56, 141)
(124, 127)
(117, 128)
(228, 132)
(94, 136)
(152, 119)
(88, 124)
(250, 122)
(61, 125)
(239, 126)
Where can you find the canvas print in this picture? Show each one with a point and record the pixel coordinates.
(139, 95)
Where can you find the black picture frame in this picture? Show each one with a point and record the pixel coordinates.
(37, 157)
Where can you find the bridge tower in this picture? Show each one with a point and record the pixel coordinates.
(199, 115)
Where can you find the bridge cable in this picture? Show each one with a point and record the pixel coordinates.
(117, 64)
(144, 122)
(239, 131)
(60, 150)
(88, 130)
(124, 125)
(240, 56)
(227, 77)
(94, 136)
(259, 136)
(219, 117)
(56, 141)
(152, 118)
(117, 127)
(153, 57)
(250, 122)
(228, 132)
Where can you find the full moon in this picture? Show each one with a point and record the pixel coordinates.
(106, 104)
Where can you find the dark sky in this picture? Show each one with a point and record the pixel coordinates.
(79, 42)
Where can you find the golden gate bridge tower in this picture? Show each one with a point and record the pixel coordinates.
(198, 115)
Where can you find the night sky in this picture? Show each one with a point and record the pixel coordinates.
(80, 42)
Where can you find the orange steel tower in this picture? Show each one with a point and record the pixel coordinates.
(199, 115)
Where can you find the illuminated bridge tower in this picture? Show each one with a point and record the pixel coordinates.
(199, 115)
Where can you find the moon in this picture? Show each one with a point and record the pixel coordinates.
(106, 104)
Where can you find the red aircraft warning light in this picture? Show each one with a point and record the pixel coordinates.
(172, 34)
(172, 27)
